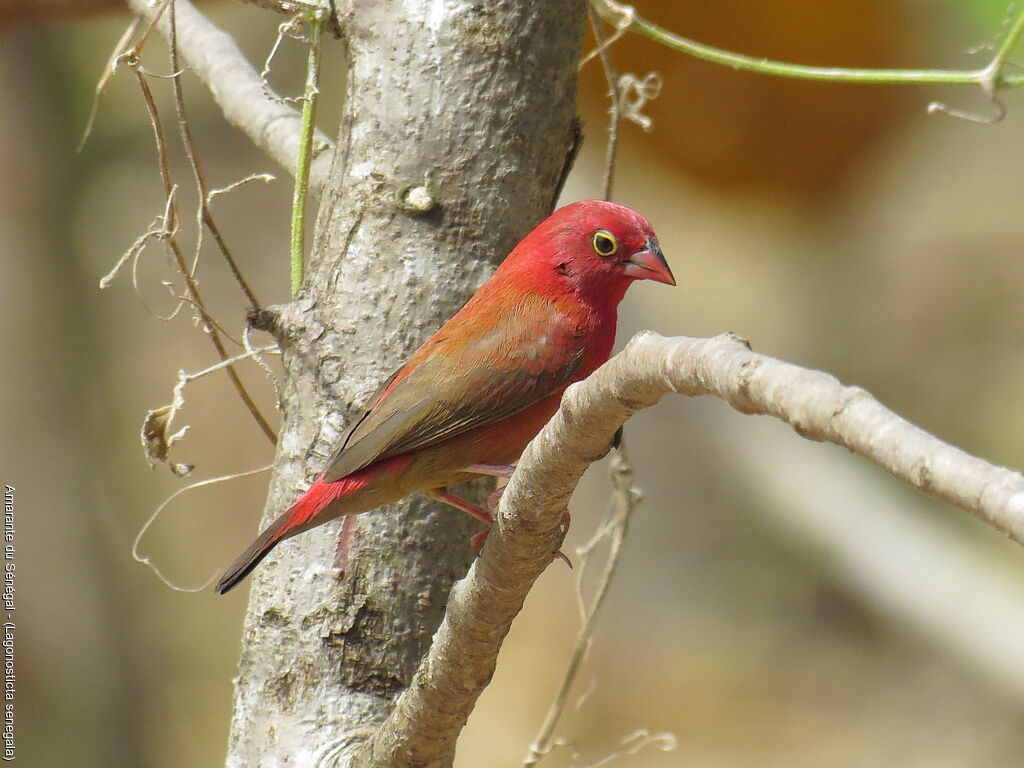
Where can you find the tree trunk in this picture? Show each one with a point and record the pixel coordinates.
(473, 102)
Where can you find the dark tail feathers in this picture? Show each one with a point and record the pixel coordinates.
(243, 566)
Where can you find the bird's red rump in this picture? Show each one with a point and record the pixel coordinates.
(322, 493)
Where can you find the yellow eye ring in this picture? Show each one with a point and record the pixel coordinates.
(604, 243)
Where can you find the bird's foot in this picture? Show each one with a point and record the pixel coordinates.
(477, 541)
(564, 525)
(493, 498)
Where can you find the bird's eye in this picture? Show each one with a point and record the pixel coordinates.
(604, 243)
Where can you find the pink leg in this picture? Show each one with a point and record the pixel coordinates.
(344, 548)
(494, 497)
(493, 470)
(449, 498)
(477, 542)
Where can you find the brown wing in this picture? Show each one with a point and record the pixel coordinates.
(463, 377)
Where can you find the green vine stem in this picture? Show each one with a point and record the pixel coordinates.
(991, 77)
(309, 102)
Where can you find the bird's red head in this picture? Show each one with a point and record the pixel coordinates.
(593, 248)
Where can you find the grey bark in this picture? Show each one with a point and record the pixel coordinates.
(475, 103)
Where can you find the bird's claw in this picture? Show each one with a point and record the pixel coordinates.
(477, 541)
(493, 498)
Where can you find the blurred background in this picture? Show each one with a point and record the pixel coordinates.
(780, 603)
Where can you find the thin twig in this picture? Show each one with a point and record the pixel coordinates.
(288, 7)
(626, 499)
(265, 72)
(301, 194)
(991, 75)
(1003, 51)
(992, 80)
(615, 110)
(185, 129)
(186, 299)
(215, 58)
(246, 331)
(171, 218)
(159, 433)
(187, 274)
(105, 77)
(158, 230)
(625, 495)
(602, 46)
(266, 178)
(146, 561)
(250, 352)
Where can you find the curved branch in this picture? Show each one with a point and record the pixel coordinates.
(990, 77)
(247, 104)
(430, 714)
